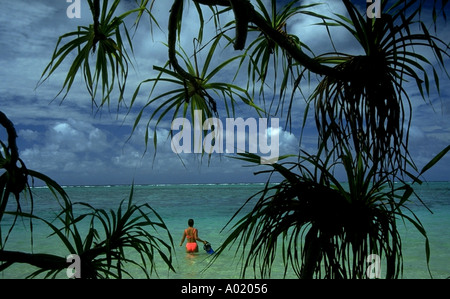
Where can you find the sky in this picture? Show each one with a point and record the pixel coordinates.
(76, 144)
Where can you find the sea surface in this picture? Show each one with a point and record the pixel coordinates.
(212, 206)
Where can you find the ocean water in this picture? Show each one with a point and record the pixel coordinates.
(212, 206)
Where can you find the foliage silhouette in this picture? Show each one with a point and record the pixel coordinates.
(105, 252)
(327, 229)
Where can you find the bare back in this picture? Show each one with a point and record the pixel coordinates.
(191, 234)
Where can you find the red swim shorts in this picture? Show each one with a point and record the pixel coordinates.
(191, 247)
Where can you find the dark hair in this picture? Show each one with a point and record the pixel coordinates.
(191, 222)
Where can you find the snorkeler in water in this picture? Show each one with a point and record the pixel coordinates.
(191, 234)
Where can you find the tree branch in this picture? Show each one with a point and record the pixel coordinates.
(244, 7)
(240, 10)
(174, 17)
(294, 51)
(43, 261)
(16, 176)
(12, 135)
(244, 13)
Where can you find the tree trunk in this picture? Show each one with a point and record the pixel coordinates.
(312, 254)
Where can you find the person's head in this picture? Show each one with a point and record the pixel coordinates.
(191, 222)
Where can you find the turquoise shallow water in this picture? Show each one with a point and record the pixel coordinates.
(212, 206)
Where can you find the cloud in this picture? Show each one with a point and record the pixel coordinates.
(78, 137)
(63, 144)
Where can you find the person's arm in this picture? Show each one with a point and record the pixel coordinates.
(197, 238)
(182, 239)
